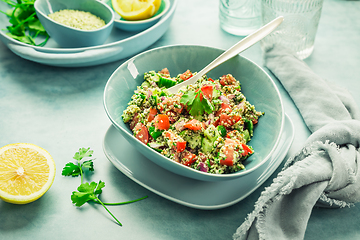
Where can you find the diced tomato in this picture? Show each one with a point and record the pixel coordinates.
(217, 122)
(180, 146)
(201, 96)
(152, 114)
(255, 121)
(194, 124)
(227, 120)
(246, 149)
(230, 146)
(224, 108)
(202, 157)
(179, 110)
(210, 79)
(186, 75)
(227, 80)
(141, 133)
(134, 121)
(165, 71)
(189, 158)
(231, 142)
(162, 122)
(170, 135)
(229, 153)
(207, 91)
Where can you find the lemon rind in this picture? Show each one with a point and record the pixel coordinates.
(134, 15)
(21, 199)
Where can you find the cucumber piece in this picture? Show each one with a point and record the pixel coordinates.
(153, 133)
(206, 145)
(166, 82)
(246, 135)
(222, 130)
(193, 139)
(145, 84)
(210, 132)
(216, 94)
(249, 126)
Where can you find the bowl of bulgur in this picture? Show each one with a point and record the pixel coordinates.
(254, 133)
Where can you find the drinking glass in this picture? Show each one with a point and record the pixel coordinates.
(240, 17)
(298, 30)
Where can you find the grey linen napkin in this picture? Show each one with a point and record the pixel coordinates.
(326, 172)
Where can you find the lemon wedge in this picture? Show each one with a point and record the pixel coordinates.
(136, 9)
(26, 172)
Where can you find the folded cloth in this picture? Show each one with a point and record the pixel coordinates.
(326, 171)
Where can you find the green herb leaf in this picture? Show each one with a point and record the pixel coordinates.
(83, 152)
(75, 170)
(197, 107)
(25, 26)
(89, 165)
(208, 107)
(222, 130)
(88, 191)
(188, 98)
(71, 169)
(99, 187)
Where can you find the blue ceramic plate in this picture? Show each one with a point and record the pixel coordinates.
(141, 24)
(186, 191)
(256, 85)
(119, 45)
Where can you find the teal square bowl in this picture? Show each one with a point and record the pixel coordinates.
(256, 84)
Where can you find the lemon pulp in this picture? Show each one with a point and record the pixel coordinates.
(136, 9)
(26, 172)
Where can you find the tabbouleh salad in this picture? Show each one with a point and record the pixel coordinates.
(205, 126)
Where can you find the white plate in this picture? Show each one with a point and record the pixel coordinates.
(119, 45)
(186, 191)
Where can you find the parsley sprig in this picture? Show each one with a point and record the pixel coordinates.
(75, 170)
(197, 105)
(88, 191)
(25, 26)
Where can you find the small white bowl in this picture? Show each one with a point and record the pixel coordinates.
(132, 26)
(71, 37)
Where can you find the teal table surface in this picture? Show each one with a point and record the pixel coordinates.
(61, 110)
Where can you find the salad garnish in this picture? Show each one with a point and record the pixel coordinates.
(25, 26)
(88, 192)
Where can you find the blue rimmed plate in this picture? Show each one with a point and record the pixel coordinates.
(119, 45)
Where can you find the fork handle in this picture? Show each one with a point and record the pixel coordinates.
(242, 45)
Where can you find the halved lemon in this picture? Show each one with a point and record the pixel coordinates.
(136, 9)
(26, 172)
